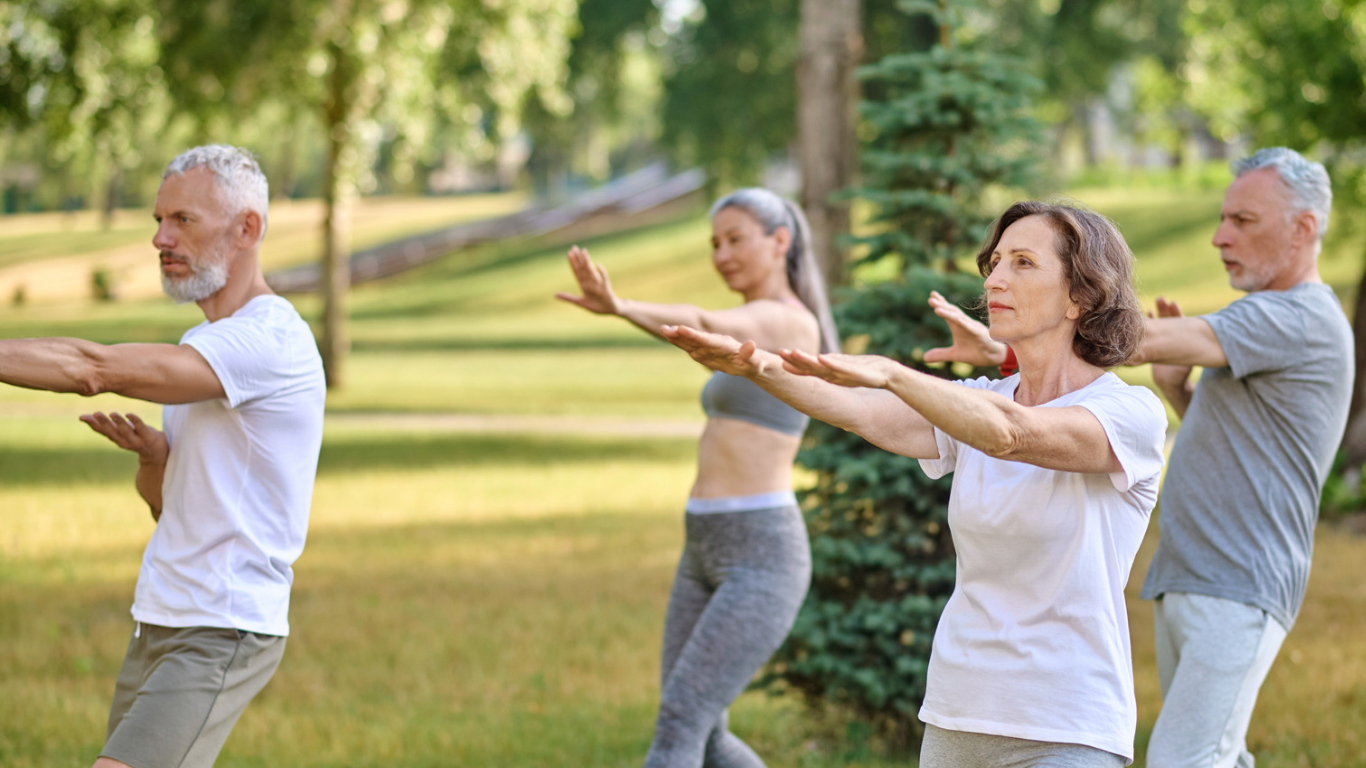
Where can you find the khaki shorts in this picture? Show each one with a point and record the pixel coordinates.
(181, 690)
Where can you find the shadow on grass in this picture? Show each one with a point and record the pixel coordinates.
(449, 344)
(32, 466)
(473, 450)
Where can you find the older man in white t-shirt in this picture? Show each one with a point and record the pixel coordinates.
(229, 482)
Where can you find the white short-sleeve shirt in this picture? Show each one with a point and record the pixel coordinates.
(1034, 642)
(239, 479)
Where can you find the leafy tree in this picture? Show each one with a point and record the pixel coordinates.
(79, 77)
(614, 81)
(733, 67)
(430, 72)
(1295, 75)
(952, 122)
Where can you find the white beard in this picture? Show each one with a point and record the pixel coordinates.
(205, 279)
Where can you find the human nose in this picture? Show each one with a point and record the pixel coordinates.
(1222, 237)
(996, 280)
(163, 239)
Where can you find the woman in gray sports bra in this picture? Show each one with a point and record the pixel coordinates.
(747, 563)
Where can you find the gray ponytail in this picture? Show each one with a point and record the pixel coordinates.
(803, 274)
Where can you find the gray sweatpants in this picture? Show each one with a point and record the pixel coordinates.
(943, 748)
(740, 582)
(1212, 656)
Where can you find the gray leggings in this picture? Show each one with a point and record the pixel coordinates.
(740, 582)
(943, 748)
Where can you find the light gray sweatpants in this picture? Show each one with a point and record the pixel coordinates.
(740, 582)
(1212, 656)
(943, 748)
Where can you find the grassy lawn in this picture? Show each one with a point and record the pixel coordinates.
(496, 598)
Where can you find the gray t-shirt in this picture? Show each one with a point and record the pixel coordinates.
(1241, 496)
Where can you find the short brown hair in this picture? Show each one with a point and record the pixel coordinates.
(1099, 269)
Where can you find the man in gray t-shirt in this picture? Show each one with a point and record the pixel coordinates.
(1259, 432)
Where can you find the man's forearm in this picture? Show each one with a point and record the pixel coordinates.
(1179, 395)
(52, 364)
(149, 479)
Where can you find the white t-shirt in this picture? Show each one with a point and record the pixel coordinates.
(239, 480)
(1034, 641)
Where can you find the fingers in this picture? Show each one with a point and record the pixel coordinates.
(1166, 308)
(113, 426)
(799, 362)
(939, 355)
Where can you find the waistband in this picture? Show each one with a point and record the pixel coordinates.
(741, 503)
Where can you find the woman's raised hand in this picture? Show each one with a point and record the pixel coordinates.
(972, 343)
(714, 350)
(845, 370)
(597, 289)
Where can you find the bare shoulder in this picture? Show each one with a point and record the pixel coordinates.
(783, 324)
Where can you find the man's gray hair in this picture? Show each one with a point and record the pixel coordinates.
(239, 177)
(1307, 181)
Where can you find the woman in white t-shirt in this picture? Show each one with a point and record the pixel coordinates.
(1056, 471)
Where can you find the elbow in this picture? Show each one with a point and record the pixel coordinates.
(1004, 443)
(88, 381)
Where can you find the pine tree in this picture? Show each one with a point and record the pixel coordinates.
(950, 125)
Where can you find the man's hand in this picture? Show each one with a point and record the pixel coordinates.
(150, 444)
(714, 350)
(1169, 378)
(873, 371)
(132, 434)
(972, 342)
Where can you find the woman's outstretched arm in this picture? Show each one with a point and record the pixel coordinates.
(1070, 439)
(876, 415)
(770, 323)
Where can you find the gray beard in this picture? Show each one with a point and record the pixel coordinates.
(206, 279)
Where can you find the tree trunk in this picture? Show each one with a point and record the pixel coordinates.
(1354, 441)
(338, 191)
(832, 44)
(111, 198)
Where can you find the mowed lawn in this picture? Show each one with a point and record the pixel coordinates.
(495, 598)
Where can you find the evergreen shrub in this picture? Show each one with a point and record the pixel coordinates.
(950, 127)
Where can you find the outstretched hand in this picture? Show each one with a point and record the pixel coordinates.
(597, 297)
(972, 342)
(132, 434)
(1169, 377)
(873, 371)
(714, 350)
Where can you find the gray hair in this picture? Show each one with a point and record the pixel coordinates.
(239, 177)
(803, 274)
(1307, 181)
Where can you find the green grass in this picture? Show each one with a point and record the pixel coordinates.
(497, 598)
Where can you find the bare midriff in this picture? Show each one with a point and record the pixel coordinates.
(736, 458)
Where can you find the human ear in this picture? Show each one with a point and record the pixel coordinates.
(252, 227)
(783, 239)
(1304, 227)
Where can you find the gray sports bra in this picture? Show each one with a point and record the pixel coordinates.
(735, 397)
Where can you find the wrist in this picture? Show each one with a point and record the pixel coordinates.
(152, 459)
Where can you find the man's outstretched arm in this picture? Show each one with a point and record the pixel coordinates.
(158, 373)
